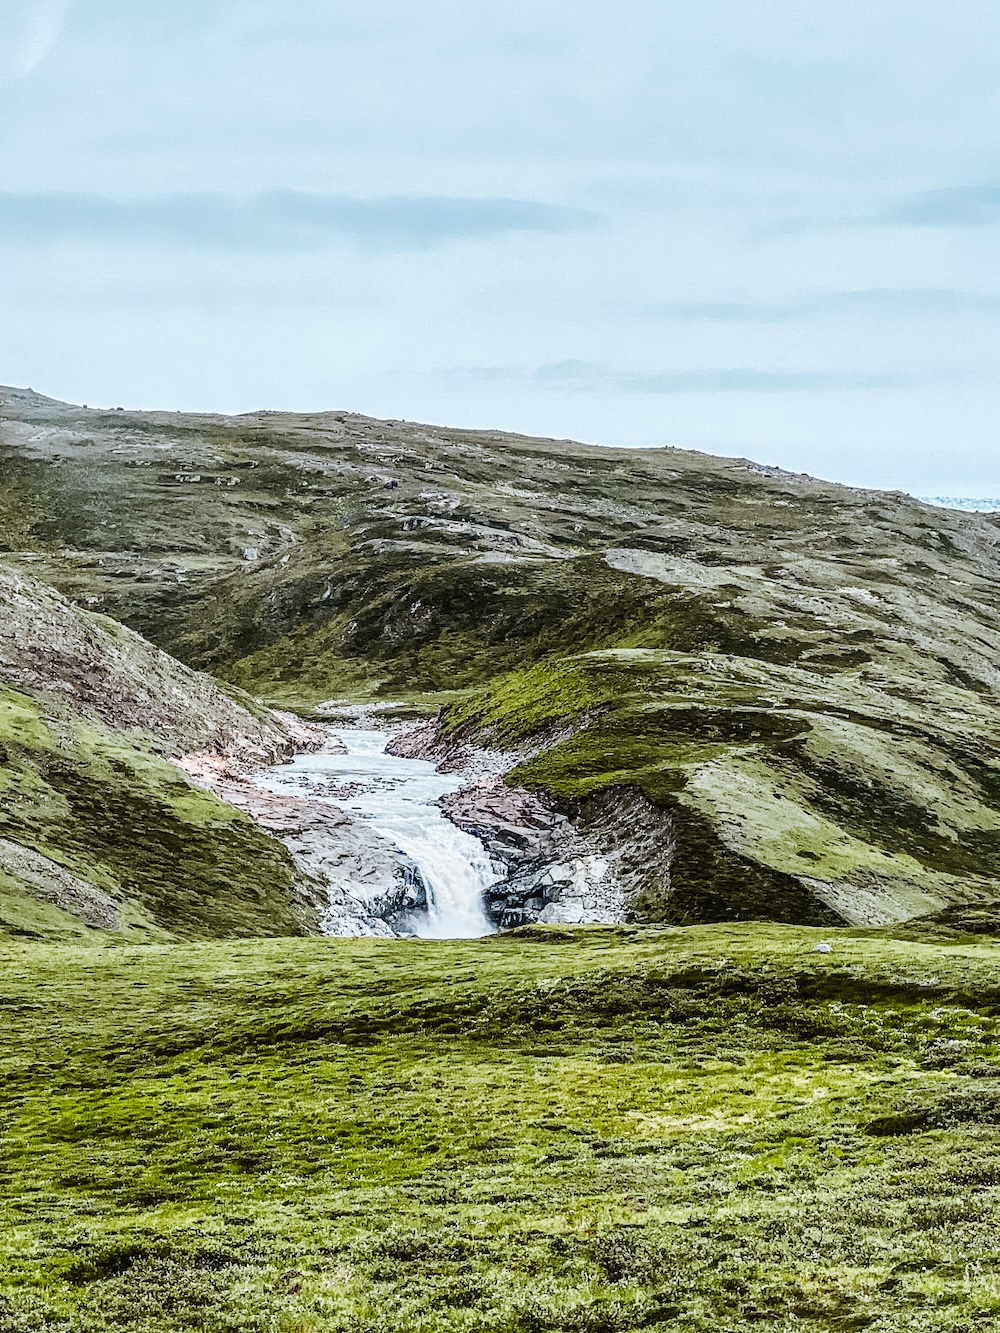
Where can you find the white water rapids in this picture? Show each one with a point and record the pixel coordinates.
(399, 799)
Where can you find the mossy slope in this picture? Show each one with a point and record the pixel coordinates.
(793, 797)
(99, 831)
(53, 649)
(595, 1131)
(310, 551)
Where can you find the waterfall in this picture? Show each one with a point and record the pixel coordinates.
(399, 798)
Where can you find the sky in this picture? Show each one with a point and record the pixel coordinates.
(761, 228)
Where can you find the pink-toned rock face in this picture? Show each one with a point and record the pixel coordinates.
(98, 667)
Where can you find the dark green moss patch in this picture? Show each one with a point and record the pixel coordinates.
(169, 856)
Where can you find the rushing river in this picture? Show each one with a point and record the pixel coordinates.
(399, 799)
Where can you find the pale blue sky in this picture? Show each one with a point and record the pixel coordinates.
(759, 227)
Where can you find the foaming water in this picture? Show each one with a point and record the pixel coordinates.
(398, 798)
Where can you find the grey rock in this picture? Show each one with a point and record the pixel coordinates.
(52, 883)
(362, 883)
(49, 645)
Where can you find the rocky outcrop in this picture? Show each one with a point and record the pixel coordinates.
(765, 792)
(96, 666)
(98, 829)
(553, 873)
(45, 881)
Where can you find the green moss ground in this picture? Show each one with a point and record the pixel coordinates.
(423, 624)
(773, 775)
(711, 1128)
(113, 812)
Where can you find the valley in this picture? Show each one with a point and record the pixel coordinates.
(782, 689)
(453, 881)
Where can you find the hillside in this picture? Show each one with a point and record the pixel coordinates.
(99, 830)
(686, 691)
(320, 550)
(791, 685)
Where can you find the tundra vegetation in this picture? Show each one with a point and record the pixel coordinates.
(212, 1119)
(698, 1128)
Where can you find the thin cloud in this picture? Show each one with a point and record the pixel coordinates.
(277, 220)
(592, 377)
(31, 40)
(961, 206)
(876, 303)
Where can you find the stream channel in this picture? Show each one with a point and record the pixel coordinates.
(399, 798)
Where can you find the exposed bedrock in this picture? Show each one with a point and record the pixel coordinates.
(94, 665)
(99, 830)
(719, 788)
(553, 869)
(362, 883)
(615, 857)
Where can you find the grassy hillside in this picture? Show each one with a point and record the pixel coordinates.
(803, 675)
(714, 1128)
(98, 830)
(305, 551)
(793, 795)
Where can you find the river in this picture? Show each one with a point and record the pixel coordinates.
(399, 799)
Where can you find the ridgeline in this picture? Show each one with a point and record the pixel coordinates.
(796, 683)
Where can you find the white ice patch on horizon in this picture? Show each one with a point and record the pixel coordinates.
(970, 503)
